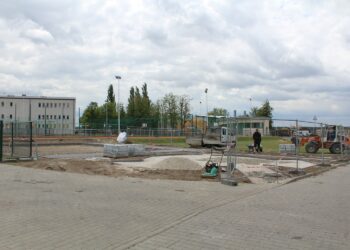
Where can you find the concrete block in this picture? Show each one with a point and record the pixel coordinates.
(123, 150)
(229, 181)
(287, 148)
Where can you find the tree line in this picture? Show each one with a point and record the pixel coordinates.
(170, 111)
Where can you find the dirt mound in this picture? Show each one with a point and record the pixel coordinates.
(179, 163)
(108, 169)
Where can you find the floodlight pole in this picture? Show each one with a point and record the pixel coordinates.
(118, 103)
(297, 145)
(106, 124)
(206, 97)
(315, 119)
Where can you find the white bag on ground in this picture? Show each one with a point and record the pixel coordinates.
(122, 138)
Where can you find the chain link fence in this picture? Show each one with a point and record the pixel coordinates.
(16, 140)
(299, 144)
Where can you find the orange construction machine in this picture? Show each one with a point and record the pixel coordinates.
(334, 141)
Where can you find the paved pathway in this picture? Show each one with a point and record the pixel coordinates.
(50, 210)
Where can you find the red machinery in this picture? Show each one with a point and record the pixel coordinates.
(333, 141)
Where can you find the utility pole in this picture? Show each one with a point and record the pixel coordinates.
(79, 119)
(206, 97)
(118, 103)
(45, 104)
(106, 126)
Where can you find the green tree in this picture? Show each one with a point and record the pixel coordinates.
(218, 112)
(170, 107)
(122, 111)
(110, 94)
(91, 114)
(155, 114)
(146, 102)
(253, 112)
(264, 111)
(138, 103)
(108, 111)
(130, 109)
(184, 109)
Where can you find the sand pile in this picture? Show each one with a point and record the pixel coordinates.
(180, 163)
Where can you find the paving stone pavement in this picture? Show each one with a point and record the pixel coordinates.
(53, 210)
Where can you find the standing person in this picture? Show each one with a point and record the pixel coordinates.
(257, 140)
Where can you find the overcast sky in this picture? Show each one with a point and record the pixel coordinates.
(294, 53)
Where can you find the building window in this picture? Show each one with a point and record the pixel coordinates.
(43, 117)
(64, 104)
(55, 117)
(47, 117)
(39, 105)
(10, 116)
(55, 105)
(67, 117)
(59, 117)
(47, 105)
(63, 117)
(2, 116)
(2, 104)
(67, 105)
(11, 104)
(38, 117)
(50, 117)
(51, 105)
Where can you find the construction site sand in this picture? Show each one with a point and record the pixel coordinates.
(259, 171)
(279, 162)
(196, 162)
(193, 162)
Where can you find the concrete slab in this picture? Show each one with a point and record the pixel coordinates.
(123, 150)
(293, 164)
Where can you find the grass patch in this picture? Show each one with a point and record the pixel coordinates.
(270, 143)
(161, 141)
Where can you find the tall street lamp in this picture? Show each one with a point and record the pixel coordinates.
(206, 97)
(315, 119)
(251, 111)
(106, 124)
(118, 106)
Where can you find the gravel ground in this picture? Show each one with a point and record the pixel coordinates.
(88, 160)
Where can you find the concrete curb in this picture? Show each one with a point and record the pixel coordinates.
(313, 174)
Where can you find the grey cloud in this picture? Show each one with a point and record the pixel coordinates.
(242, 15)
(278, 58)
(179, 47)
(156, 36)
(38, 35)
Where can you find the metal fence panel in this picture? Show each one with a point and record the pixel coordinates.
(1, 138)
(17, 140)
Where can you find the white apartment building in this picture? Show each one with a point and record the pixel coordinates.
(50, 115)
